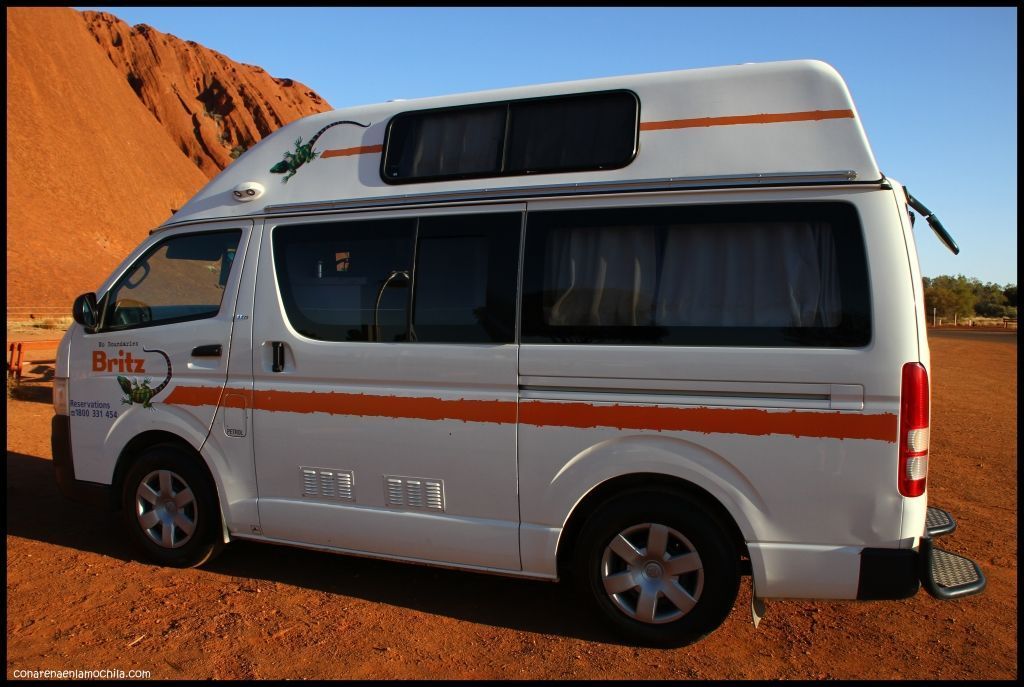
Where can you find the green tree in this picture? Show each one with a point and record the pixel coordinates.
(991, 301)
(939, 300)
(951, 296)
(968, 297)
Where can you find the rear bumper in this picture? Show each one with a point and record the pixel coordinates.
(888, 574)
(899, 573)
(64, 468)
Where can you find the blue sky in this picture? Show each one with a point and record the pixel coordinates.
(936, 88)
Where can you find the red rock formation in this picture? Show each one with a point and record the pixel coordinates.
(214, 108)
(89, 170)
(106, 125)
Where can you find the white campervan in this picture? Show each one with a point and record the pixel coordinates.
(652, 333)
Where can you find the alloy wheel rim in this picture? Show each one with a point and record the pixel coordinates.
(166, 509)
(652, 573)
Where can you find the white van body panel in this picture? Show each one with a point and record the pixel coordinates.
(473, 463)
(228, 449)
(804, 571)
(102, 419)
(754, 477)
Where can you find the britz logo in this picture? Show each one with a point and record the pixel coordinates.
(124, 362)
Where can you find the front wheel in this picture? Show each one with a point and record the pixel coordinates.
(660, 567)
(170, 508)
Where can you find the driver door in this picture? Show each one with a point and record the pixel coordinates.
(158, 359)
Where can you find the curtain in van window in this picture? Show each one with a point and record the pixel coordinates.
(767, 275)
(716, 275)
(603, 276)
(460, 142)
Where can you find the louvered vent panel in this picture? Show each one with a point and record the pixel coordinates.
(395, 491)
(325, 483)
(434, 495)
(344, 485)
(309, 482)
(327, 489)
(414, 492)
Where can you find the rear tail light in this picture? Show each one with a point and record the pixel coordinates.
(913, 469)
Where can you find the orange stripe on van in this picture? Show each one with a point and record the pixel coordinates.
(194, 396)
(406, 407)
(366, 405)
(747, 421)
(813, 115)
(358, 150)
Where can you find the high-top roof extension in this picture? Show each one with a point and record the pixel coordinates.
(771, 123)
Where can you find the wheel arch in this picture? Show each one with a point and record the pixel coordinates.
(639, 482)
(139, 444)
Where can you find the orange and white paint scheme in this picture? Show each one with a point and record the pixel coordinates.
(654, 333)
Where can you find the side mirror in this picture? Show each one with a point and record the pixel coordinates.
(85, 311)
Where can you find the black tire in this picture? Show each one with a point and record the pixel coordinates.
(688, 527)
(172, 514)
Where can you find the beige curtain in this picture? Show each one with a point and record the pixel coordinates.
(770, 274)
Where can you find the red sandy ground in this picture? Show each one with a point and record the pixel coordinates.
(80, 598)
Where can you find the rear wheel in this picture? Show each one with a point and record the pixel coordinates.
(659, 566)
(170, 508)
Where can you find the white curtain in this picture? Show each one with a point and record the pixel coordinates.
(603, 276)
(771, 274)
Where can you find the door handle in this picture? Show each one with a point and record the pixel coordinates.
(278, 355)
(211, 351)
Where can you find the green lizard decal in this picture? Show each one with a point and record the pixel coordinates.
(143, 393)
(303, 153)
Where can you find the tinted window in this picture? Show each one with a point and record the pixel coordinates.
(742, 275)
(466, 275)
(447, 144)
(437, 279)
(590, 131)
(179, 279)
(346, 281)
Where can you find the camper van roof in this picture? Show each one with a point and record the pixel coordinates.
(770, 123)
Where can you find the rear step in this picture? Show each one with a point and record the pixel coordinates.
(938, 522)
(946, 575)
